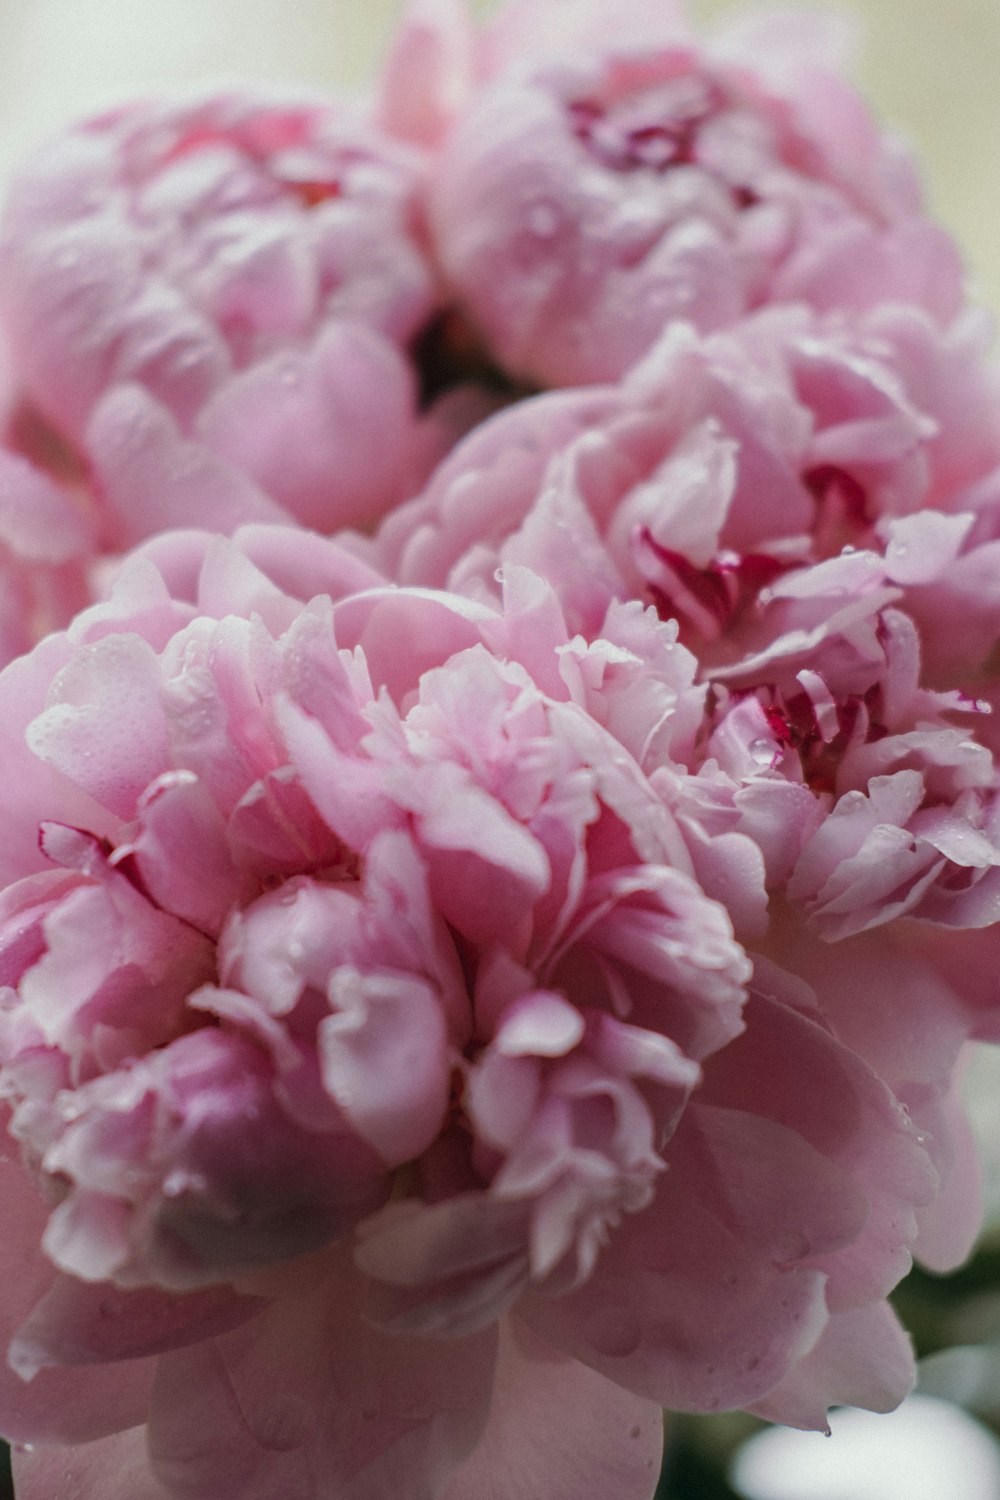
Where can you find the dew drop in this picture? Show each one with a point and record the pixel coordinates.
(286, 1425)
(763, 752)
(614, 1332)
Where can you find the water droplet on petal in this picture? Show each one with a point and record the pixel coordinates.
(287, 1425)
(614, 1331)
(764, 753)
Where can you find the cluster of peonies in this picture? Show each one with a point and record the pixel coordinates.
(474, 979)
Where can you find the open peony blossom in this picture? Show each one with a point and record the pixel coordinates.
(362, 965)
(809, 497)
(468, 986)
(721, 467)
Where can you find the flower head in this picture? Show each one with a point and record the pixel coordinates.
(227, 286)
(606, 179)
(360, 961)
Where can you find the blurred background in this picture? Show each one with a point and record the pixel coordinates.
(932, 70)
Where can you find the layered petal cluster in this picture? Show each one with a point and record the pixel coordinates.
(602, 177)
(468, 986)
(723, 466)
(810, 497)
(357, 963)
(225, 287)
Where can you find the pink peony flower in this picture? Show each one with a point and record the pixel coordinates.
(465, 989)
(602, 173)
(724, 465)
(806, 496)
(385, 1080)
(222, 293)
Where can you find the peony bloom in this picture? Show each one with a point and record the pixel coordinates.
(807, 496)
(223, 294)
(601, 173)
(390, 1102)
(724, 466)
(465, 989)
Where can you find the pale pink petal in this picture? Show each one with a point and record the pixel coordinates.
(58, 1405)
(786, 1067)
(558, 1429)
(113, 1465)
(154, 479)
(702, 1302)
(863, 1358)
(82, 1324)
(947, 1228)
(89, 730)
(385, 1059)
(428, 72)
(309, 1400)
(330, 434)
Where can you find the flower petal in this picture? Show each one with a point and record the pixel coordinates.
(309, 1402)
(558, 1429)
(59, 1405)
(117, 1465)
